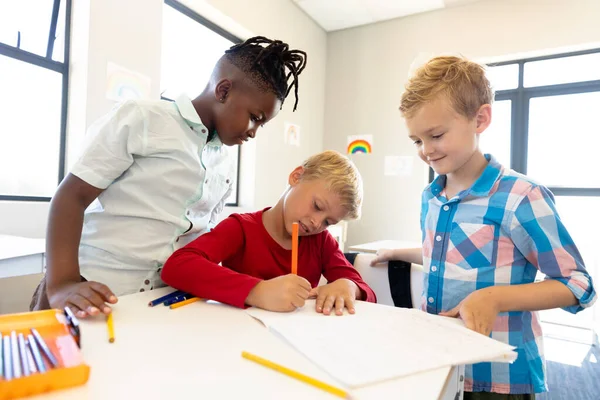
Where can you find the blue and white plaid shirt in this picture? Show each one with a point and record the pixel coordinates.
(501, 231)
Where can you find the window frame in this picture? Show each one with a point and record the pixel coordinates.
(188, 12)
(48, 63)
(520, 98)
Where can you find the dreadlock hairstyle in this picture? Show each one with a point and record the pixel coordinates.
(266, 66)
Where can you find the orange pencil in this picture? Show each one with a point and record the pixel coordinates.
(295, 248)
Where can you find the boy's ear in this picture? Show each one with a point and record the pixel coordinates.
(222, 90)
(484, 118)
(296, 175)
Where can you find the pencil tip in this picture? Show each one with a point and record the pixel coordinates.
(111, 340)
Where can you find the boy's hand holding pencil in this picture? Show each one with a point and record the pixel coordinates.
(283, 293)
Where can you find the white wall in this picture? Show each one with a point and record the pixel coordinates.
(368, 66)
(112, 31)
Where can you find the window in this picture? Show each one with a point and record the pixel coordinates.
(34, 59)
(186, 70)
(544, 113)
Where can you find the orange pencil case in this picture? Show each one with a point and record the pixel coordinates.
(54, 328)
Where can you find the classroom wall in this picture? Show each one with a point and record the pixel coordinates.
(368, 66)
(112, 31)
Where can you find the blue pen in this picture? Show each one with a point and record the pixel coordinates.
(40, 342)
(164, 298)
(37, 357)
(7, 358)
(178, 299)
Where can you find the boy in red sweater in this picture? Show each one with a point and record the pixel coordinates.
(255, 248)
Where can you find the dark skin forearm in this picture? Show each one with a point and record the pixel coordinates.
(63, 234)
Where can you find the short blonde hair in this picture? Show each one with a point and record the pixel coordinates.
(342, 178)
(461, 81)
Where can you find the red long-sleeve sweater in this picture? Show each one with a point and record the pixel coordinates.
(248, 255)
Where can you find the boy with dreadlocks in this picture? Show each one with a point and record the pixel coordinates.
(158, 175)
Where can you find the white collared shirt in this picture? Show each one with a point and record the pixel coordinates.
(163, 186)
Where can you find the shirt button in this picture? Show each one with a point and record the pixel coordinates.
(433, 268)
(206, 181)
(438, 238)
(430, 299)
(446, 208)
(142, 289)
(227, 181)
(187, 212)
(146, 282)
(203, 130)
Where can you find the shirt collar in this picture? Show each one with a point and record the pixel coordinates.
(482, 186)
(188, 113)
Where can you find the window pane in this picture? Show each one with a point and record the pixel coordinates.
(185, 70)
(496, 139)
(29, 149)
(31, 18)
(561, 129)
(581, 218)
(504, 77)
(562, 70)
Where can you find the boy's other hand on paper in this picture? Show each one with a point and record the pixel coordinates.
(283, 293)
(478, 310)
(383, 255)
(335, 296)
(83, 298)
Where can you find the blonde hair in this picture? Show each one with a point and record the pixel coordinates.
(341, 176)
(461, 81)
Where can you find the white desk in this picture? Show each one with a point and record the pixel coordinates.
(372, 247)
(21, 256)
(195, 351)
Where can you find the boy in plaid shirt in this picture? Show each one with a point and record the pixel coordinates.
(486, 231)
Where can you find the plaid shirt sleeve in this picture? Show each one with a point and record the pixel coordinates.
(539, 234)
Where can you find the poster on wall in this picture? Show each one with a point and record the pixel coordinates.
(360, 144)
(292, 134)
(398, 165)
(123, 84)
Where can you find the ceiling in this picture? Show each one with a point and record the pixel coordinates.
(333, 15)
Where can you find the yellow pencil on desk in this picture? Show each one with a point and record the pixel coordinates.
(296, 375)
(184, 303)
(111, 327)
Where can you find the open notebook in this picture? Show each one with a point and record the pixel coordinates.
(380, 342)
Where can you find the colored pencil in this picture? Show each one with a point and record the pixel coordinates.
(44, 347)
(184, 303)
(30, 360)
(14, 351)
(37, 357)
(295, 248)
(23, 354)
(111, 328)
(296, 375)
(164, 298)
(7, 358)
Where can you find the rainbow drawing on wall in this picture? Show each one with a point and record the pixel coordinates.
(123, 84)
(360, 144)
